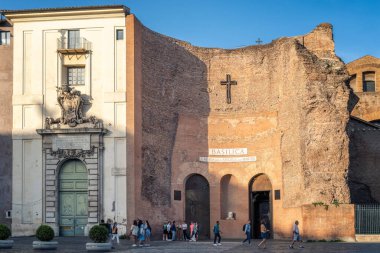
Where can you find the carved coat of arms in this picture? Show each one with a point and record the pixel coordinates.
(71, 103)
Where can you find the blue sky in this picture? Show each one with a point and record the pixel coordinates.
(236, 23)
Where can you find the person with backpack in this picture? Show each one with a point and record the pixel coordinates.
(247, 231)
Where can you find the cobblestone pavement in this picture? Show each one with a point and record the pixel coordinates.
(77, 244)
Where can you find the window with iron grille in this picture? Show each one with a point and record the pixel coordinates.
(75, 75)
(5, 38)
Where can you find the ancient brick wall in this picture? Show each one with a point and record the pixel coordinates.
(6, 77)
(299, 99)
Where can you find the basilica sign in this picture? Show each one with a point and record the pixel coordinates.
(233, 155)
(227, 151)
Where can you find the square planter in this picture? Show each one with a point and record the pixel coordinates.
(6, 244)
(45, 245)
(91, 246)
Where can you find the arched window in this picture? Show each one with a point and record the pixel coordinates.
(369, 81)
(229, 196)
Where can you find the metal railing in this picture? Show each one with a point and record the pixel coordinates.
(367, 219)
(73, 44)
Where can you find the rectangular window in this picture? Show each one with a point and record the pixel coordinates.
(75, 75)
(5, 38)
(73, 39)
(369, 84)
(119, 34)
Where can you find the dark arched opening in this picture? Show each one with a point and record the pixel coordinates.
(197, 204)
(260, 203)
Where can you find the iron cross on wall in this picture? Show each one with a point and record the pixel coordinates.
(228, 84)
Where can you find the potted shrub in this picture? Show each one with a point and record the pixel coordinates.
(5, 233)
(99, 235)
(44, 235)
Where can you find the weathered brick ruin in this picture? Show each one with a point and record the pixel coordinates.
(289, 108)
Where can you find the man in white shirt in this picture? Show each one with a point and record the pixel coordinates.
(184, 231)
(296, 235)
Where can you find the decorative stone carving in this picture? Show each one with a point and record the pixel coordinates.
(73, 153)
(71, 103)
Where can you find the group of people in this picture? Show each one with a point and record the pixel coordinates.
(173, 232)
(264, 230)
(264, 233)
(112, 230)
(141, 233)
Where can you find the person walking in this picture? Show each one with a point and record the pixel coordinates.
(168, 228)
(247, 231)
(109, 228)
(296, 235)
(148, 233)
(141, 235)
(164, 232)
(184, 231)
(179, 231)
(264, 234)
(115, 234)
(134, 232)
(217, 233)
(173, 229)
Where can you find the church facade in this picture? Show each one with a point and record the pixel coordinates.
(69, 111)
(113, 120)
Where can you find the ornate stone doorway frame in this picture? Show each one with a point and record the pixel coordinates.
(60, 145)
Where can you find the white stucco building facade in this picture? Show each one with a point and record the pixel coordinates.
(83, 49)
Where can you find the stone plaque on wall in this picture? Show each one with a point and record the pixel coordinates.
(71, 141)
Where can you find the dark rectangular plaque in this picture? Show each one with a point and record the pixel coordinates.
(177, 195)
(277, 194)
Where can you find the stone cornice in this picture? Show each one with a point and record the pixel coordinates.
(82, 130)
(65, 14)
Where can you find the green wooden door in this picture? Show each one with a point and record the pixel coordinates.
(73, 194)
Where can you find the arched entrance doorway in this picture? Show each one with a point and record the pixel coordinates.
(260, 203)
(197, 203)
(73, 195)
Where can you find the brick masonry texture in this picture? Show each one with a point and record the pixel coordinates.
(296, 85)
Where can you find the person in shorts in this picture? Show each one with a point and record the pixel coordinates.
(164, 232)
(264, 234)
(296, 235)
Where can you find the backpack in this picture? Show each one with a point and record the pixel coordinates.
(244, 227)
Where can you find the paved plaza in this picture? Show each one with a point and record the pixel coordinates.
(77, 244)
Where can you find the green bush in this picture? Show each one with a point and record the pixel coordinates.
(45, 233)
(98, 234)
(5, 232)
